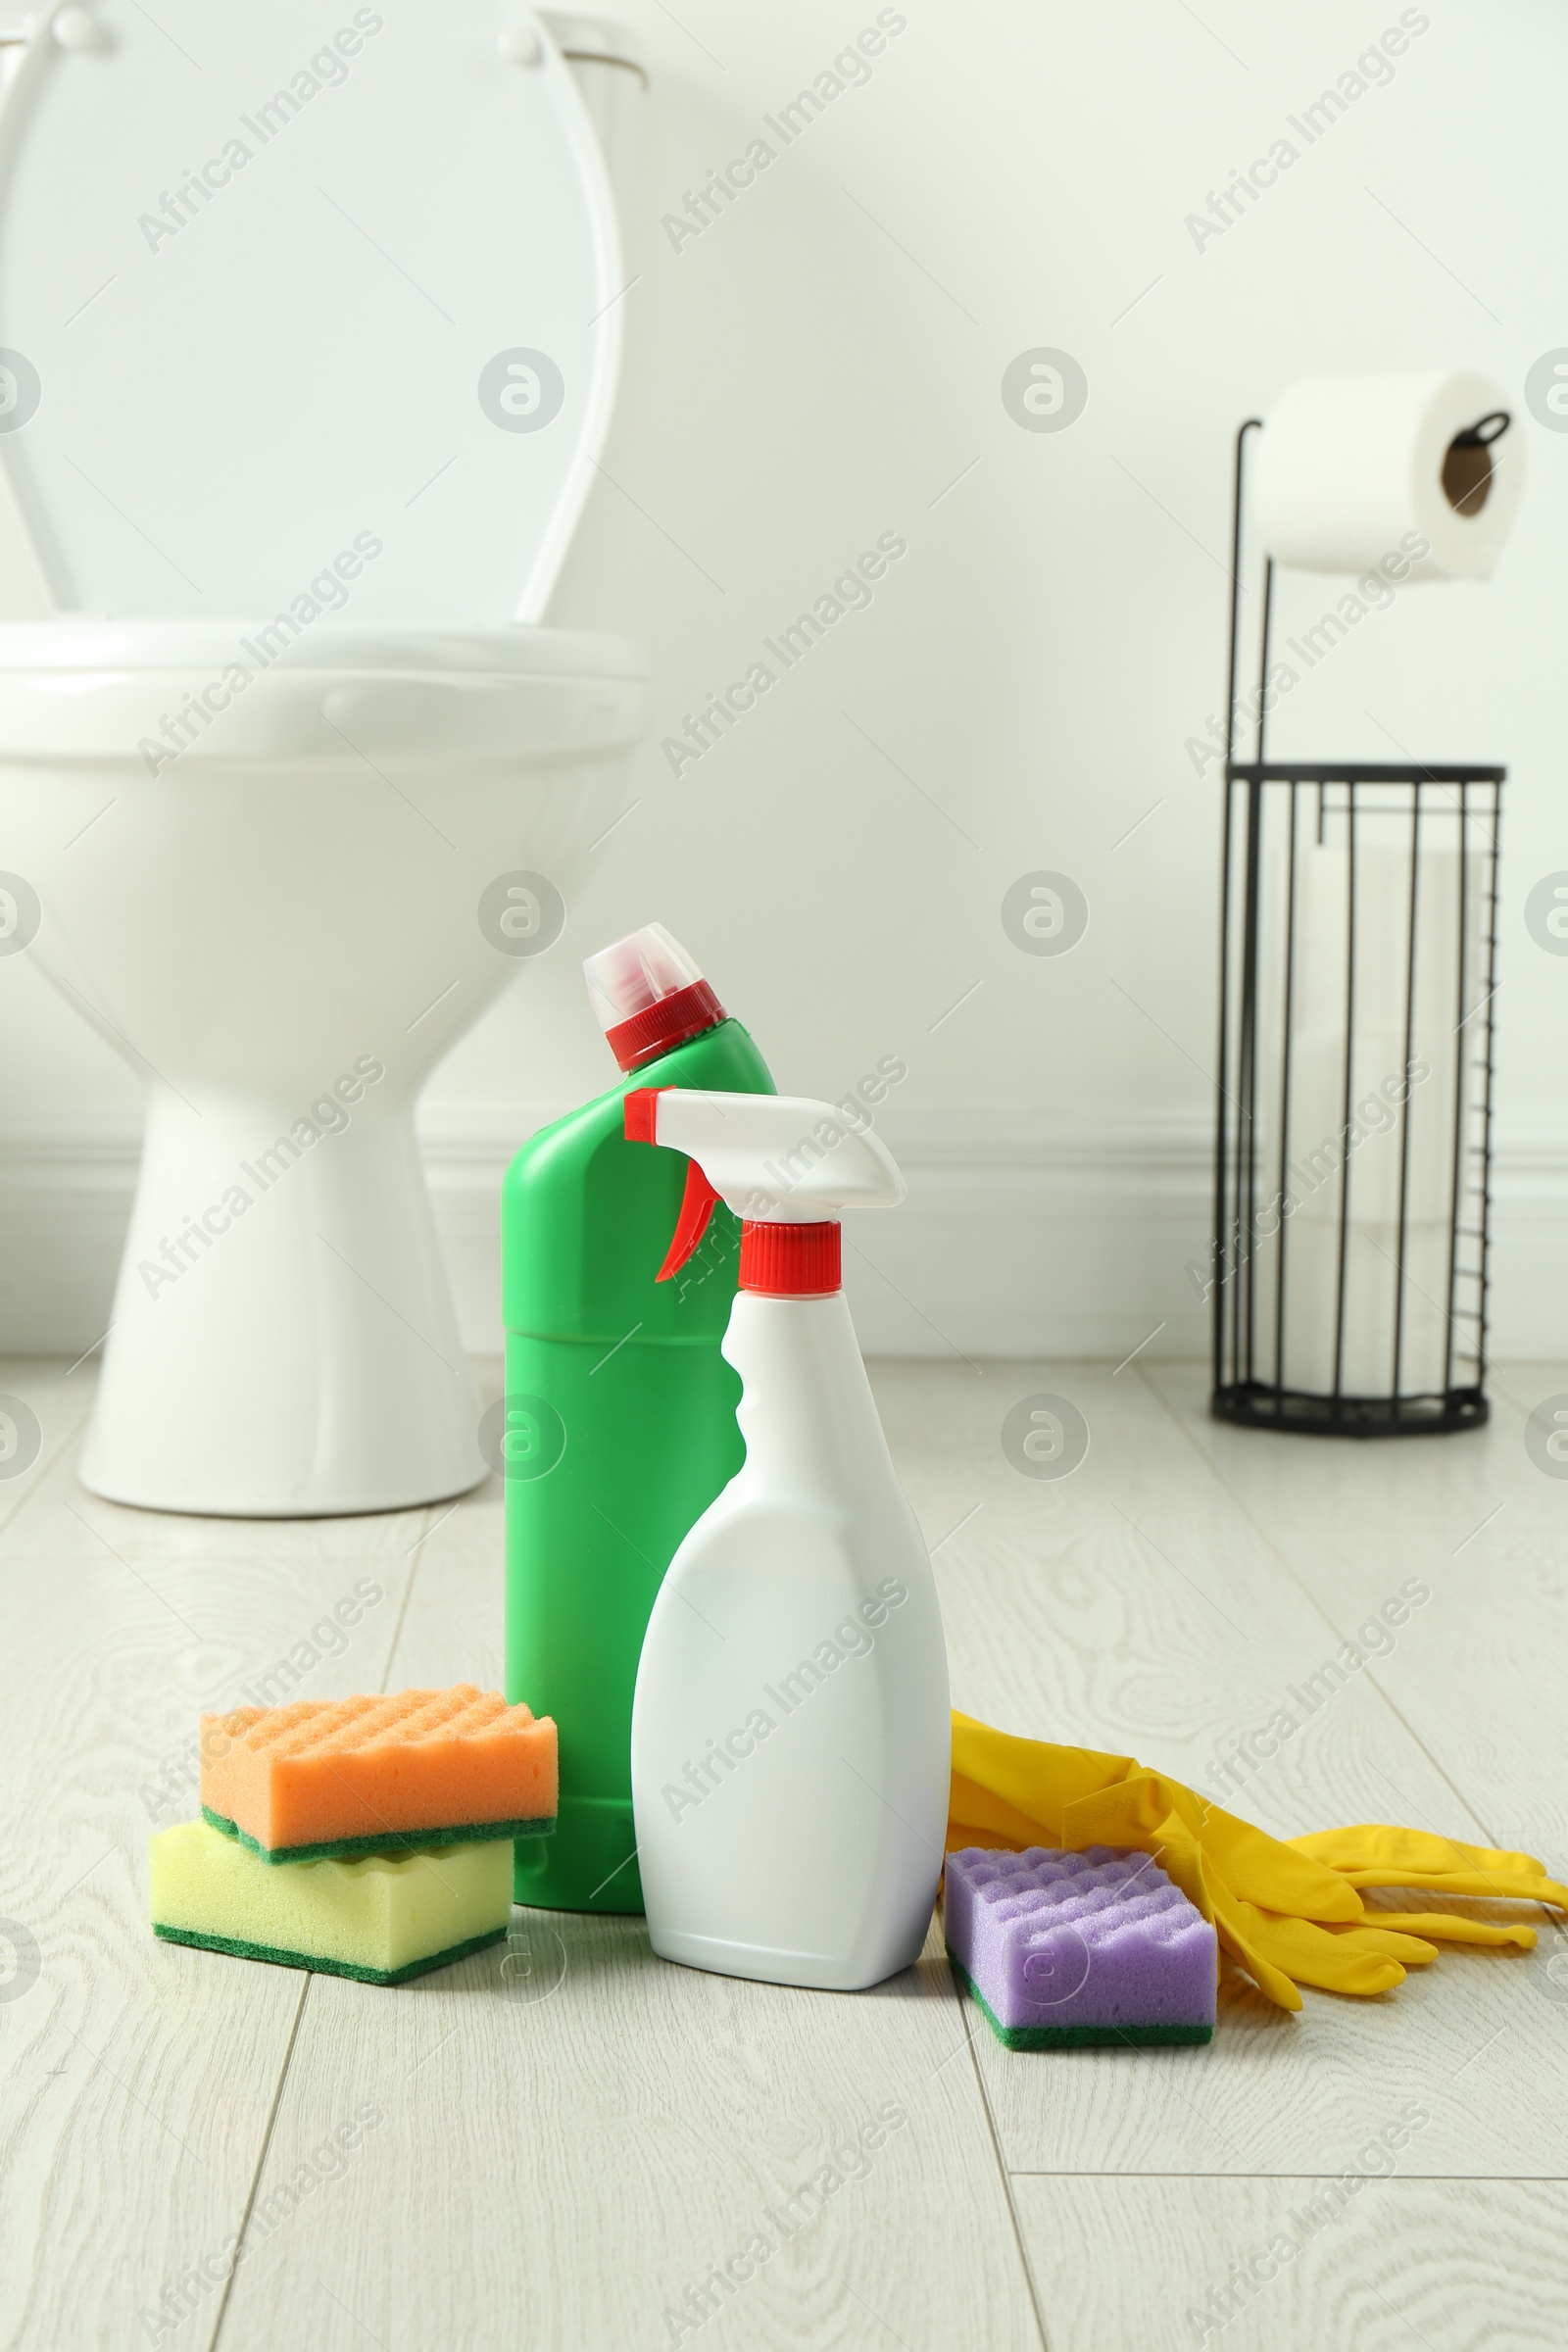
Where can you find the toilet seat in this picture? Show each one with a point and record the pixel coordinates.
(74, 691)
(73, 645)
(277, 282)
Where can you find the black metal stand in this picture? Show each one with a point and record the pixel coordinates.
(1268, 1172)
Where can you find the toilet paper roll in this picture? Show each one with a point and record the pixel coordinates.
(1401, 1138)
(1390, 1157)
(1387, 1097)
(1350, 466)
(1371, 1289)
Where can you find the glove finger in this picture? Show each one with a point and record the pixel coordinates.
(1315, 1955)
(1372, 1844)
(1453, 1926)
(1517, 1886)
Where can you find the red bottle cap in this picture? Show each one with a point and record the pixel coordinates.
(650, 995)
(791, 1261)
(664, 1026)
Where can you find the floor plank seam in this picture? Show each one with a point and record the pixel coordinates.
(261, 2167)
(965, 2025)
(414, 1549)
(1405, 2180)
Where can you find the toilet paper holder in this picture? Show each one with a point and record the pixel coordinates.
(1467, 462)
(1348, 1283)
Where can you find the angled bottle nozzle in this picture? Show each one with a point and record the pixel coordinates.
(786, 1165)
(650, 995)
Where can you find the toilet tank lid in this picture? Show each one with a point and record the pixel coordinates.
(74, 646)
(278, 283)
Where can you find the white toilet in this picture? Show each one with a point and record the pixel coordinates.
(309, 337)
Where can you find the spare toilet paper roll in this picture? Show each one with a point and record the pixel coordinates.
(1350, 466)
(1372, 1287)
(1385, 1094)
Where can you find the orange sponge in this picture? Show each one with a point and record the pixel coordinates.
(329, 1777)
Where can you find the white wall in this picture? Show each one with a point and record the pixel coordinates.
(822, 364)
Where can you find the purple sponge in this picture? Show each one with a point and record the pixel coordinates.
(1067, 1950)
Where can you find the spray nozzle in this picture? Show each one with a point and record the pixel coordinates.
(784, 1163)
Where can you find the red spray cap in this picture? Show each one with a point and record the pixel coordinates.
(649, 995)
(791, 1261)
(783, 1164)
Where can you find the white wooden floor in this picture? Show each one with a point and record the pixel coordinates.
(571, 2138)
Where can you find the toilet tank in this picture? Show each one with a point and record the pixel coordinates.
(606, 65)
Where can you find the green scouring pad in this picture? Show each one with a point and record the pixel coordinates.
(1077, 2037)
(388, 1842)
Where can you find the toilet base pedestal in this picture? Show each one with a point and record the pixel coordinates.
(284, 1343)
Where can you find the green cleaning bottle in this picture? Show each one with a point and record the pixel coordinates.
(618, 1422)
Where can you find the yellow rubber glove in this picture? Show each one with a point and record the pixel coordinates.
(1290, 1912)
(1375, 1856)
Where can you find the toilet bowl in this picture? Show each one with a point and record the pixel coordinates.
(296, 781)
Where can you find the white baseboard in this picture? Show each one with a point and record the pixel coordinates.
(1025, 1235)
(1020, 1237)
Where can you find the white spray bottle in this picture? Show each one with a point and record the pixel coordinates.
(790, 1734)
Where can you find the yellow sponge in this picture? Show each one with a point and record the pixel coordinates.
(382, 1919)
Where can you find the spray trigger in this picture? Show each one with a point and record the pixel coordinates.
(697, 1206)
(640, 1116)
